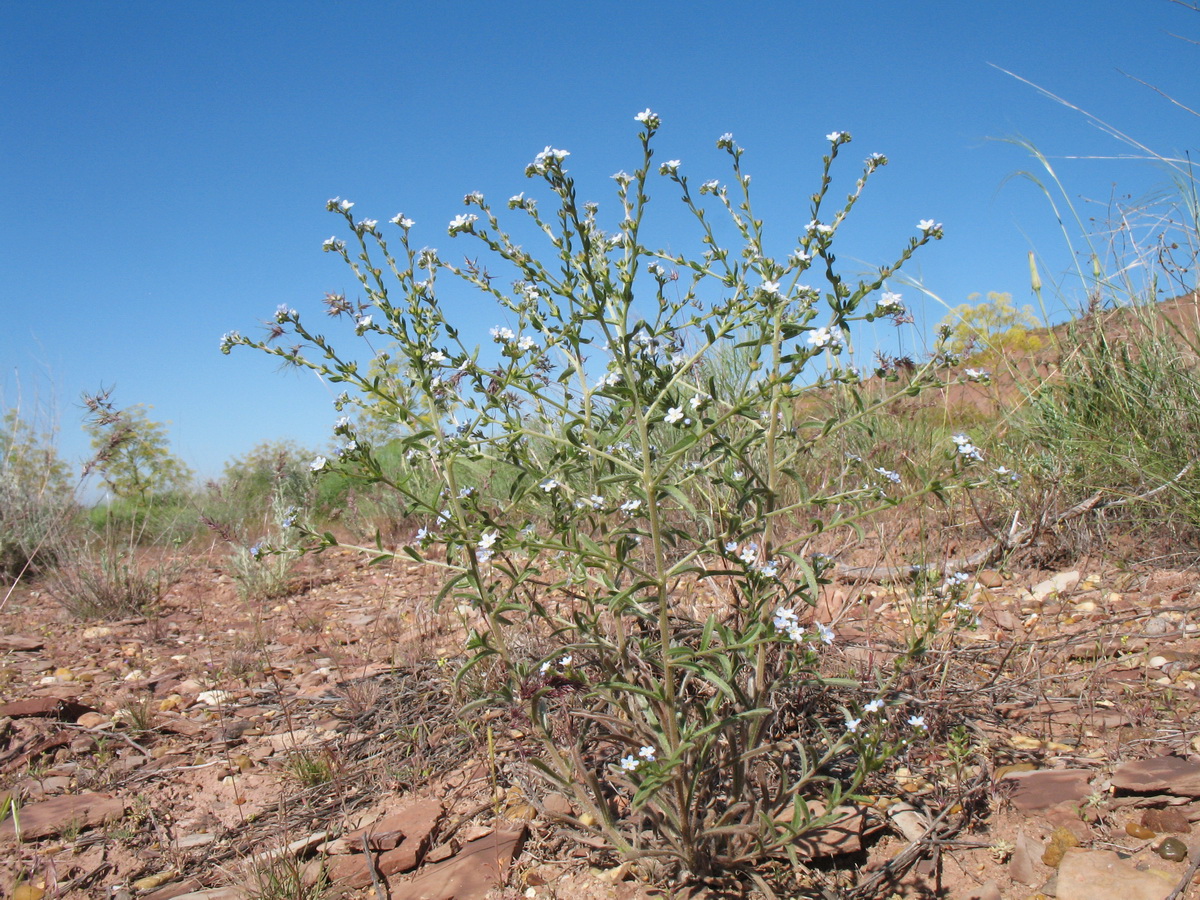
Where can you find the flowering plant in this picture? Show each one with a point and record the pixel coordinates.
(621, 513)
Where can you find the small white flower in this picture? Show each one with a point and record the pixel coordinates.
(367, 224)
(769, 569)
(435, 356)
(670, 167)
(674, 414)
(725, 141)
(622, 178)
(631, 506)
(770, 287)
(648, 118)
(917, 722)
(363, 323)
(526, 343)
(566, 661)
(826, 338)
(596, 501)
(502, 333)
(332, 244)
(487, 540)
(749, 553)
(825, 633)
(834, 136)
(799, 257)
(710, 187)
(318, 463)
(473, 197)
(402, 220)
(852, 725)
(544, 667)
(647, 753)
(346, 205)
(731, 547)
(981, 375)
(630, 763)
(874, 706)
(464, 222)
(550, 484)
(929, 226)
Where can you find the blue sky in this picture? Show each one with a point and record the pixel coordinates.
(167, 164)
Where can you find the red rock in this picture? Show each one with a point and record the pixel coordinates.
(51, 817)
(1171, 820)
(480, 866)
(45, 707)
(842, 836)
(1102, 875)
(404, 836)
(1166, 774)
(21, 644)
(1044, 788)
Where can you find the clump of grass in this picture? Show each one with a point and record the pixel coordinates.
(283, 877)
(110, 584)
(311, 768)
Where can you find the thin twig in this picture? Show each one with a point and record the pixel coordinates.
(380, 888)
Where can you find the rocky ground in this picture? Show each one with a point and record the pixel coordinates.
(225, 748)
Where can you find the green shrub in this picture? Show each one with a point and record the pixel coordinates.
(37, 501)
(615, 492)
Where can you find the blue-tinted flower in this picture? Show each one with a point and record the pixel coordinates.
(852, 725)
(550, 484)
(825, 634)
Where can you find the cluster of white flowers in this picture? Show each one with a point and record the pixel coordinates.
(826, 338)
(502, 334)
(966, 449)
(337, 204)
(815, 227)
(366, 225)
(893, 477)
(648, 118)
(402, 220)
(670, 167)
(838, 137)
(929, 226)
(464, 222)
(542, 161)
(333, 245)
(629, 507)
(612, 379)
(563, 663)
(283, 312)
(786, 622)
(725, 141)
(981, 375)
(889, 304)
(631, 763)
(484, 550)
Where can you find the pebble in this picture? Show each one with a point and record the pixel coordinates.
(1173, 849)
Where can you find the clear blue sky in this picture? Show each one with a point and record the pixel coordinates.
(166, 164)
